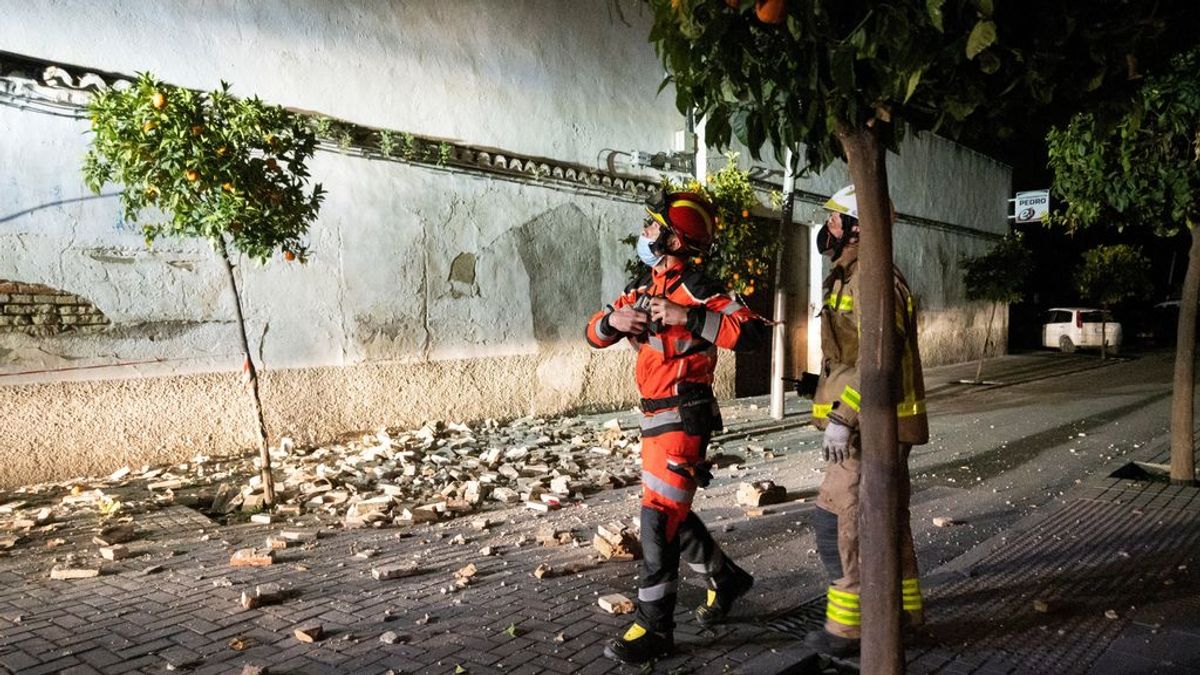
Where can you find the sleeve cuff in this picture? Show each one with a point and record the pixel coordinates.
(604, 330)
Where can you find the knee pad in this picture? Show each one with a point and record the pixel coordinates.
(825, 524)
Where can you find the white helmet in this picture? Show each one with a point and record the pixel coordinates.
(844, 201)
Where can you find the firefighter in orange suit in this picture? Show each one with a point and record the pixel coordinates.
(835, 410)
(676, 318)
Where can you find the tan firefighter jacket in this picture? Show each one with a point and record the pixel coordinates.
(838, 396)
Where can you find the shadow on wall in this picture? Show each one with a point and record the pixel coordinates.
(561, 256)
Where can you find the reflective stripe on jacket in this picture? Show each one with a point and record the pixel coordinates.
(838, 395)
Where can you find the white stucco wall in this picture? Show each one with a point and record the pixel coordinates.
(553, 78)
(377, 329)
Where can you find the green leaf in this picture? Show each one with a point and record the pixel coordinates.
(985, 8)
(511, 631)
(983, 35)
(913, 81)
(934, 9)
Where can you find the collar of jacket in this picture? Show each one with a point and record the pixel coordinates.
(673, 268)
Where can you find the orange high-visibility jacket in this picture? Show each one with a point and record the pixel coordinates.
(681, 353)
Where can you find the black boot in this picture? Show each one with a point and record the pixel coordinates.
(735, 583)
(824, 642)
(639, 645)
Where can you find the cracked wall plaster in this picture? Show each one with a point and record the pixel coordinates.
(382, 327)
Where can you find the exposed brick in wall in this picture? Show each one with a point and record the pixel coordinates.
(43, 311)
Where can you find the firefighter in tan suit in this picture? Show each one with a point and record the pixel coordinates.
(835, 410)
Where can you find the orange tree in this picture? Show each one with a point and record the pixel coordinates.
(844, 79)
(192, 164)
(1109, 275)
(744, 245)
(995, 277)
(1141, 169)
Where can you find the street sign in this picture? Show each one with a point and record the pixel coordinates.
(1032, 206)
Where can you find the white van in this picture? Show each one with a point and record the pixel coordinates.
(1069, 327)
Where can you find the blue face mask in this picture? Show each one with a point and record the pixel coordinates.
(643, 251)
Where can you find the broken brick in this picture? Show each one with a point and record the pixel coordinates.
(615, 604)
(394, 572)
(62, 572)
(249, 557)
(309, 633)
(760, 493)
(114, 552)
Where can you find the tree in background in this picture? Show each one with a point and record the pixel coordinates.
(1110, 275)
(996, 277)
(744, 245)
(1142, 169)
(232, 171)
(843, 79)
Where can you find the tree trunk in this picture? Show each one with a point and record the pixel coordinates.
(879, 521)
(1183, 455)
(1103, 335)
(987, 340)
(248, 366)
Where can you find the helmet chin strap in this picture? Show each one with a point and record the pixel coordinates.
(659, 246)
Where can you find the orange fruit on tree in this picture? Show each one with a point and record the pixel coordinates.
(770, 11)
(158, 100)
(745, 213)
(228, 187)
(289, 256)
(733, 4)
(192, 175)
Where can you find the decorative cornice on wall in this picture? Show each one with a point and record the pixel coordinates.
(51, 88)
(60, 89)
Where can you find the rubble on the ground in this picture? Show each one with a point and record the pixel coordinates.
(761, 493)
(390, 477)
(309, 633)
(394, 572)
(615, 541)
(250, 557)
(75, 566)
(615, 604)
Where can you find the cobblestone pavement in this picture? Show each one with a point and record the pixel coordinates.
(174, 604)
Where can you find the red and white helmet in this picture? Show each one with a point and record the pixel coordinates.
(688, 214)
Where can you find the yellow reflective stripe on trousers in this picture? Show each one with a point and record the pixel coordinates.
(911, 595)
(847, 600)
(852, 398)
(843, 616)
(910, 408)
(842, 303)
(821, 410)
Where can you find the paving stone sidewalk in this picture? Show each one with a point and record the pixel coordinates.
(175, 603)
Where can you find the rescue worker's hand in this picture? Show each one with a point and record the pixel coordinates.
(671, 314)
(628, 320)
(836, 444)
